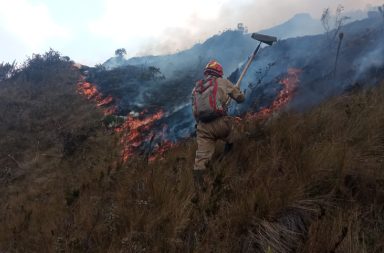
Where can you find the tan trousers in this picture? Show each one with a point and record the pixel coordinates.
(222, 128)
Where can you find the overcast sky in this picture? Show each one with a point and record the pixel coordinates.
(89, 31)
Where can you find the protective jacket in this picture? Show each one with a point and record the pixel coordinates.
(210, 96)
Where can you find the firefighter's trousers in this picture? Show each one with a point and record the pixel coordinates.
(222, 128)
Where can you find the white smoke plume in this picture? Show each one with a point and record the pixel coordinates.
(256, 15)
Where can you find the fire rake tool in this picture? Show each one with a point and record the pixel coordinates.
(266, 39)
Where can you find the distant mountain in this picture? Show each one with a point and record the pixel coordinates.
(303, 24)
(231, 48)
(300, 25)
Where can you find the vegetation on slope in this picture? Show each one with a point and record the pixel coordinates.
(46, 133)
(310, 182)
(298, 183)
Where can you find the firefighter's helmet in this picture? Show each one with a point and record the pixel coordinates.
(214, 68)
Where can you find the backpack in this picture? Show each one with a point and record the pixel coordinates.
(206, 105)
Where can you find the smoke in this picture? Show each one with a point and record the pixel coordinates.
(373, 59)
(173, 40)
(256, 15)
(361, 62)
(308, 62)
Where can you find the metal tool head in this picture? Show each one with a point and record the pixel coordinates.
(264, 38)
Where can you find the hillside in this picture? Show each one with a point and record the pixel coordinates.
(100, 160)
(298, 182)
(52, 144)
(236, 45)
(230, 47)
(298, 73)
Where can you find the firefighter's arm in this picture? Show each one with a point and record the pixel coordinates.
(235, 93)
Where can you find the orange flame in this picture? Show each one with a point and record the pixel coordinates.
(134, 133)
(110, 111)
(160, 150)
(106, 101)
(88, 90)
(91, 92)
(162, 147)
(289, 83)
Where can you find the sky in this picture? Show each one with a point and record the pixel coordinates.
(89, 31)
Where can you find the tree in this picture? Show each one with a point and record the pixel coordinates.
(99, 67)
(325, 17)
(339, 21)
(120, 52)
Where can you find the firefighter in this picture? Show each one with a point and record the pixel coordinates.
(209, 106)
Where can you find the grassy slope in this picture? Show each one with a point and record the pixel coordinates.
(310, 182)
(46, 131)
(301, 183)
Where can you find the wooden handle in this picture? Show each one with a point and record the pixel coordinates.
(244, 71)
(247, 66)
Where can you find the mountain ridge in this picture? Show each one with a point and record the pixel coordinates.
(238, 40)
(302, 24)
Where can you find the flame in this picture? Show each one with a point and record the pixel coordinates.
(88, 90)
(160, 150)
(162, 147)
(110, 111)
(290, 83)
(137, 132)
(106, 101)
(91, 92)
(140, 131)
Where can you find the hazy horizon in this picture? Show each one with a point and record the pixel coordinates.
(90, 31)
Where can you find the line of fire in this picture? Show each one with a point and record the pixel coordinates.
(144, 133)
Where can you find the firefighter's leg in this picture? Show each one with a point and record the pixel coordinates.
(205, 145)
(204, 153)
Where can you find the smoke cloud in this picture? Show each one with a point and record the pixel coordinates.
(256, 15)
(91, 31)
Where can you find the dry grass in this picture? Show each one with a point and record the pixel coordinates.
(310, 182)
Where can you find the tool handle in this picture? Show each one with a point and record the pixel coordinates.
(244, 71)
(247, 66)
